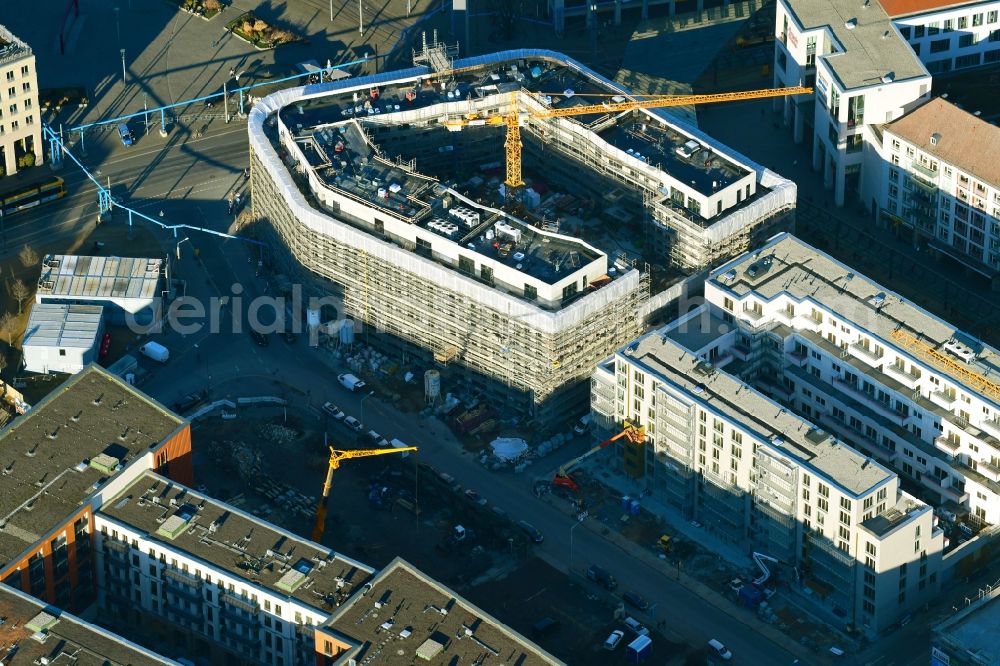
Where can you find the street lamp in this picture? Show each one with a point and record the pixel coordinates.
(178, 247)
(124, 82)
(118, 29)
(361, 25)
(363, 398)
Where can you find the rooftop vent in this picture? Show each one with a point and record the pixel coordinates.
(888, 77)
(729, 275)
(935, 138)
(879, 299)
(851, 24)
(885, 35)
(698, 389)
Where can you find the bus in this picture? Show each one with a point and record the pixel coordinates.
(32, 195)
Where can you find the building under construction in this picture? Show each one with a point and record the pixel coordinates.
(388, 191)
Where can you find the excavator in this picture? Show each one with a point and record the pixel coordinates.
(336, 456)
(633, 434)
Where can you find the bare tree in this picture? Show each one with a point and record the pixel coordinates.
(7, 325)
(19, 291)
(28, 256)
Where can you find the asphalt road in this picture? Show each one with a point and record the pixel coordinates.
(229, 364)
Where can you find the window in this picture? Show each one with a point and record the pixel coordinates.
(24, 68)
(977, 20)
(569, 291)
(991, 17)
(970, 60)
(26, 87)
(933, 28)
(62, 352)
(894, 175)
(963, 42)
(530, 292)
(12, 108)
(949, 25)
(905, 31)
(963, 22)
(918, 31)
(941, 45)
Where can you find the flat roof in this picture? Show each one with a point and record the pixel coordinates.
(63, 325)
(953, 135)
(973, 630)
(66, 639)
(872, 48)
(894, 516)
(786, 433)
(50, 458)
(805, 273)
(82, 278)
(426, 622)
(236, 542)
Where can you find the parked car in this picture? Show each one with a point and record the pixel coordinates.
(614, 639)
(353, 424)
(190, 401)
(718, 648)
(583, 425)
(635, 599)
(531, 531)
(377, 439)
(602, 576)
(544, 627)
(125, 134)
(332, 410)
(635, 626)
(260, 339)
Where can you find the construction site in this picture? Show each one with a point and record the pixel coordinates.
(511, 219)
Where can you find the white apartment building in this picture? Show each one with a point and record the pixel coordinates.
(20, 126)
(893, 380)
(870, 62)
(863, 74)
(948, 35)
(213, 580)
(940, 181)
(756, 474)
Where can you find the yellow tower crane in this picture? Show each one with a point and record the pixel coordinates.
(911, 342)
(514, 115)
(336, 456)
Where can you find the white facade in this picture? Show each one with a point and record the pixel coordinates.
(759, 477)
(938, 199)
(954, 38)
(934, 422)
(20, 124)
(61, 337)
(148, 574)
(863, 75)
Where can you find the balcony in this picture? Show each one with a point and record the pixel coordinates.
(991, 426)
(741, 351)
(989, 470)
(786, 315)
(798, 358)
(753, 315)
(905, 377)
(942, 399)
(948, 446)
(865, 354)
(883, 409)
(919, 168)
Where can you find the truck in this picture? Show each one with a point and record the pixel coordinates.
(601, 576)
(155, 351)
(398, 444)
(350, 382)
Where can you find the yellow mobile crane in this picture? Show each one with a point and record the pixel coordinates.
(336, 456)
(513, 116)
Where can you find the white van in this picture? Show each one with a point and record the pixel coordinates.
(398, 444)
(718, 648)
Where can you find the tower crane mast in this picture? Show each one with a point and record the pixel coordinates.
(336, 456)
